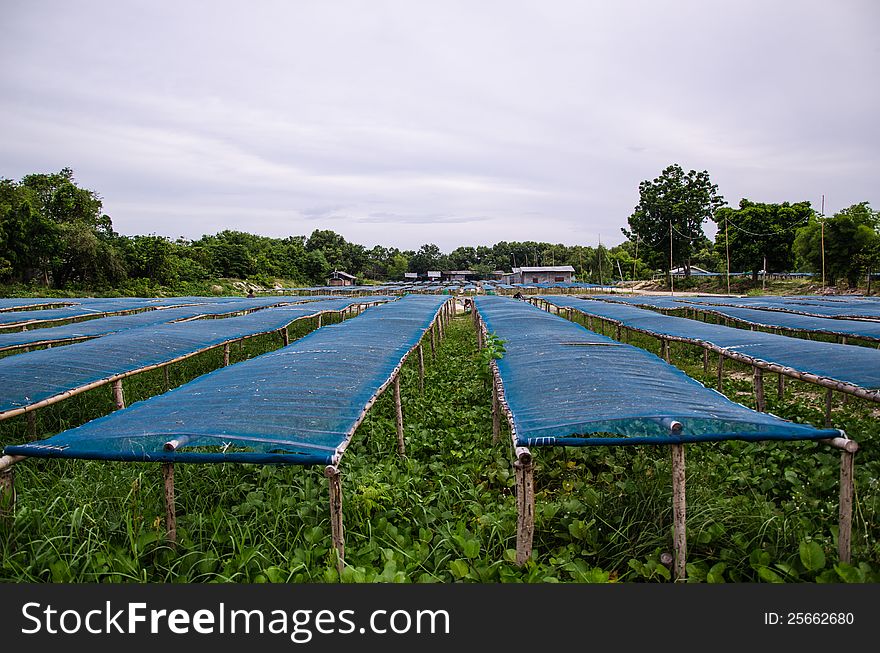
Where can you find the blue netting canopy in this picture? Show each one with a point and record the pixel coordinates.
(761, 317)
(47, 373)
(566, 385)
(850, 364)
(296, 405)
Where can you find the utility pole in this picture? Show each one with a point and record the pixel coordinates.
(671, 280)
(822, 221)
(727, 247)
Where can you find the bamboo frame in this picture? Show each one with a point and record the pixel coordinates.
(170, 512)
(679, 511)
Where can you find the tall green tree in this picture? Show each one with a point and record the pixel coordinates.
(670, 215)
(757, 232)
(850, 237)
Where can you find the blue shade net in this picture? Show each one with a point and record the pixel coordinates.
(565, 385)
(46, 373)
(296, 405)
(857, 366)
(760, 317)
(105, 325)
(854, 308)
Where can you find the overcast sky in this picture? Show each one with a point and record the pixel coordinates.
(455, 123)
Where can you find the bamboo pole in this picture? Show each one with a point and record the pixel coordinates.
(7, 492)
(829, 398)
(617, 332)
(170, 513)
(320, 320)
(433, 344)
(226, 354)
(760, 404)
(166, 370)
(32, 424)
(525, 506)
(780, 386)
(720, 372)
(398, 414)
(285, 336)
(679, 511)
(336, 528)
(705, 361)
(118, 394)
(421, 369)
(664, 349)
(496, 416)
(844, 531)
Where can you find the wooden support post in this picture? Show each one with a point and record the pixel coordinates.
(760, 404)
(525, 507)
(617, 333)
(320, 320)
(440, 328)
(679, 512)
(7, 492)
(844, 530)
(166, 371)
(590, 322)
(170, 513)
(434, 345)
(118, 394)
(421, 369)
(664, 349)
(720, 372)
(780, 386)
(496, 413)
(285, 336)
(705, 361)
(829, 397)
(336, 530)
(32, 424)
(226, 354)
(398, 413)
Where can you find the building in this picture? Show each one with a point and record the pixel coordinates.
(458, 275)
(546, 274)
(339, 278)
(434, 275)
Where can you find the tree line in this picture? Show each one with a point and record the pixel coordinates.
(54, 234)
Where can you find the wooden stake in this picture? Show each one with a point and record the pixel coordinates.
(829, 397)
(118, 394)
(679, 537)
(226, 354)
(433, 345)
(7, 492)
(705, 361)
(285, 336)
(421, 369)
(398, 408)
(320, 320)
(170, 514)
(617, 332)
(525, 508)
(336, 530)
(166, 370)
(720, 372)
(32, 424)
(780, 386)
(760, 404)
(844, 531)
(496, 414)
(664, 349)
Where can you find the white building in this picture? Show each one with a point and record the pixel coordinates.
(546, 274)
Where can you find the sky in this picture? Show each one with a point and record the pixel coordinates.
(458, 123)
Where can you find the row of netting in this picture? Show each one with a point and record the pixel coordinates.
(93, 328)
(564, 384)
(96, 309)
(758, 317)
(847, 368)
(297, 405)
(43, 376)
(855, 307)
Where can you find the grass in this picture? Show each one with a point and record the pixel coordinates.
(446, 512)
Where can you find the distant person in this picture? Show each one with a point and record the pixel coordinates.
(518, 295)
(250, 294)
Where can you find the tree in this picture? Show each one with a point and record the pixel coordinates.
(758, 232)
(671, 211)
(429, 257)
(850, 238)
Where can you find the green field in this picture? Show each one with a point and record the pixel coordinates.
(446, 512)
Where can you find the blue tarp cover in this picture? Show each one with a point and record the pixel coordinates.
(295, 405)
(569, 386)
